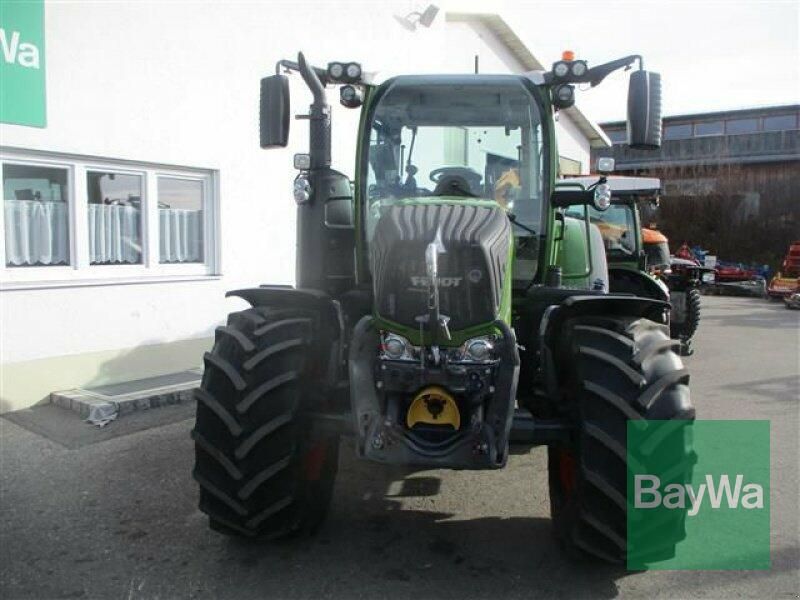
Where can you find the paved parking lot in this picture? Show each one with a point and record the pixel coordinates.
(117, 518)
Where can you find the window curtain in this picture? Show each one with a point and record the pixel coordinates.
(36, 232)
(180, 235)
(114, 234)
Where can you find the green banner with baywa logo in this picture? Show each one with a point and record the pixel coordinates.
(22, 65)
(713, 501)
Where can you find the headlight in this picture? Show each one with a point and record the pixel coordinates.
(479, 350)
(396, 347)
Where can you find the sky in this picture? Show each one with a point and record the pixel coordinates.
(712, 55)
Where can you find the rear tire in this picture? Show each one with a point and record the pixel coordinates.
(684, 332)
(262, 471)
(615, 370)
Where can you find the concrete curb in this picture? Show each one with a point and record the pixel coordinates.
(81, 401)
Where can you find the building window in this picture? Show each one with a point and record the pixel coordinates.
(780, 123)
(738, 126)
(678, 132)
(708, 128)
(115, 218)
(617, 136)
(74, 220)
(36, 215)
(180, 220)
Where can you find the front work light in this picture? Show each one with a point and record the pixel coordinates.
(302, 162)
(564, 96)
(602, 196)
(302, 190)
(350, 96)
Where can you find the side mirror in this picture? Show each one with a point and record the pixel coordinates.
(644, 110)
(274, 112)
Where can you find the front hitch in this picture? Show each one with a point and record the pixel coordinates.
(384, 436)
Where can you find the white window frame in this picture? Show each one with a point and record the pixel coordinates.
(80, 271)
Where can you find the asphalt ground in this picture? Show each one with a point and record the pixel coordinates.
(113, 513)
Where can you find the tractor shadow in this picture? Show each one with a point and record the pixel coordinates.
(402, 551)
(375, 546)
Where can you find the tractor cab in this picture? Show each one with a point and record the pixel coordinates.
(447, 162)
(620, 225)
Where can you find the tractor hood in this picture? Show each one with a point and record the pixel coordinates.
(473, 243)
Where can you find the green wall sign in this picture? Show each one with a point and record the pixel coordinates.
(22, 64)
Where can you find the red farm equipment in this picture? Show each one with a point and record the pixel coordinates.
(787, 280)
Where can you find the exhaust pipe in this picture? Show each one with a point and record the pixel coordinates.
(319, 143)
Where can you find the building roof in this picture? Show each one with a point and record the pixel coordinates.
(503, 32)
(722, 114)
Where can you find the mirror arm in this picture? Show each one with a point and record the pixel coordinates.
(290, 65)
(566, 198)
(596, 74)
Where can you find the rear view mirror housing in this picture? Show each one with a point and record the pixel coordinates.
(274, 112)
(644, 110)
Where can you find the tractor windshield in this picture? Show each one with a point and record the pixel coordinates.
(456, 138)
(617, 227)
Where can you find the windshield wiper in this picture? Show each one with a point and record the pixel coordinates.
(513, 218)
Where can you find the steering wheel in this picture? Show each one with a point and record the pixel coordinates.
(465, 172)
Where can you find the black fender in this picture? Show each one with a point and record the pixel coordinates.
(330, 327)
(629, 281)
(556, 315)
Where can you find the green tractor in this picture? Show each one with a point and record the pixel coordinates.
(639, 260)
(446, 307)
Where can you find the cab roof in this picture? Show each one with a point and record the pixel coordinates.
(620, 185)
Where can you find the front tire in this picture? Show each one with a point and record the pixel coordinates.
(685, 330)
(615, 370)
(262, 471)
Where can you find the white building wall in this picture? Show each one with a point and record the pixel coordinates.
(177, 83)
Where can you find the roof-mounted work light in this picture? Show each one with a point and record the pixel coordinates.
(339, 72)
(568, 69)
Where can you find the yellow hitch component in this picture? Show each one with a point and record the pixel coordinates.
(433, 405)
